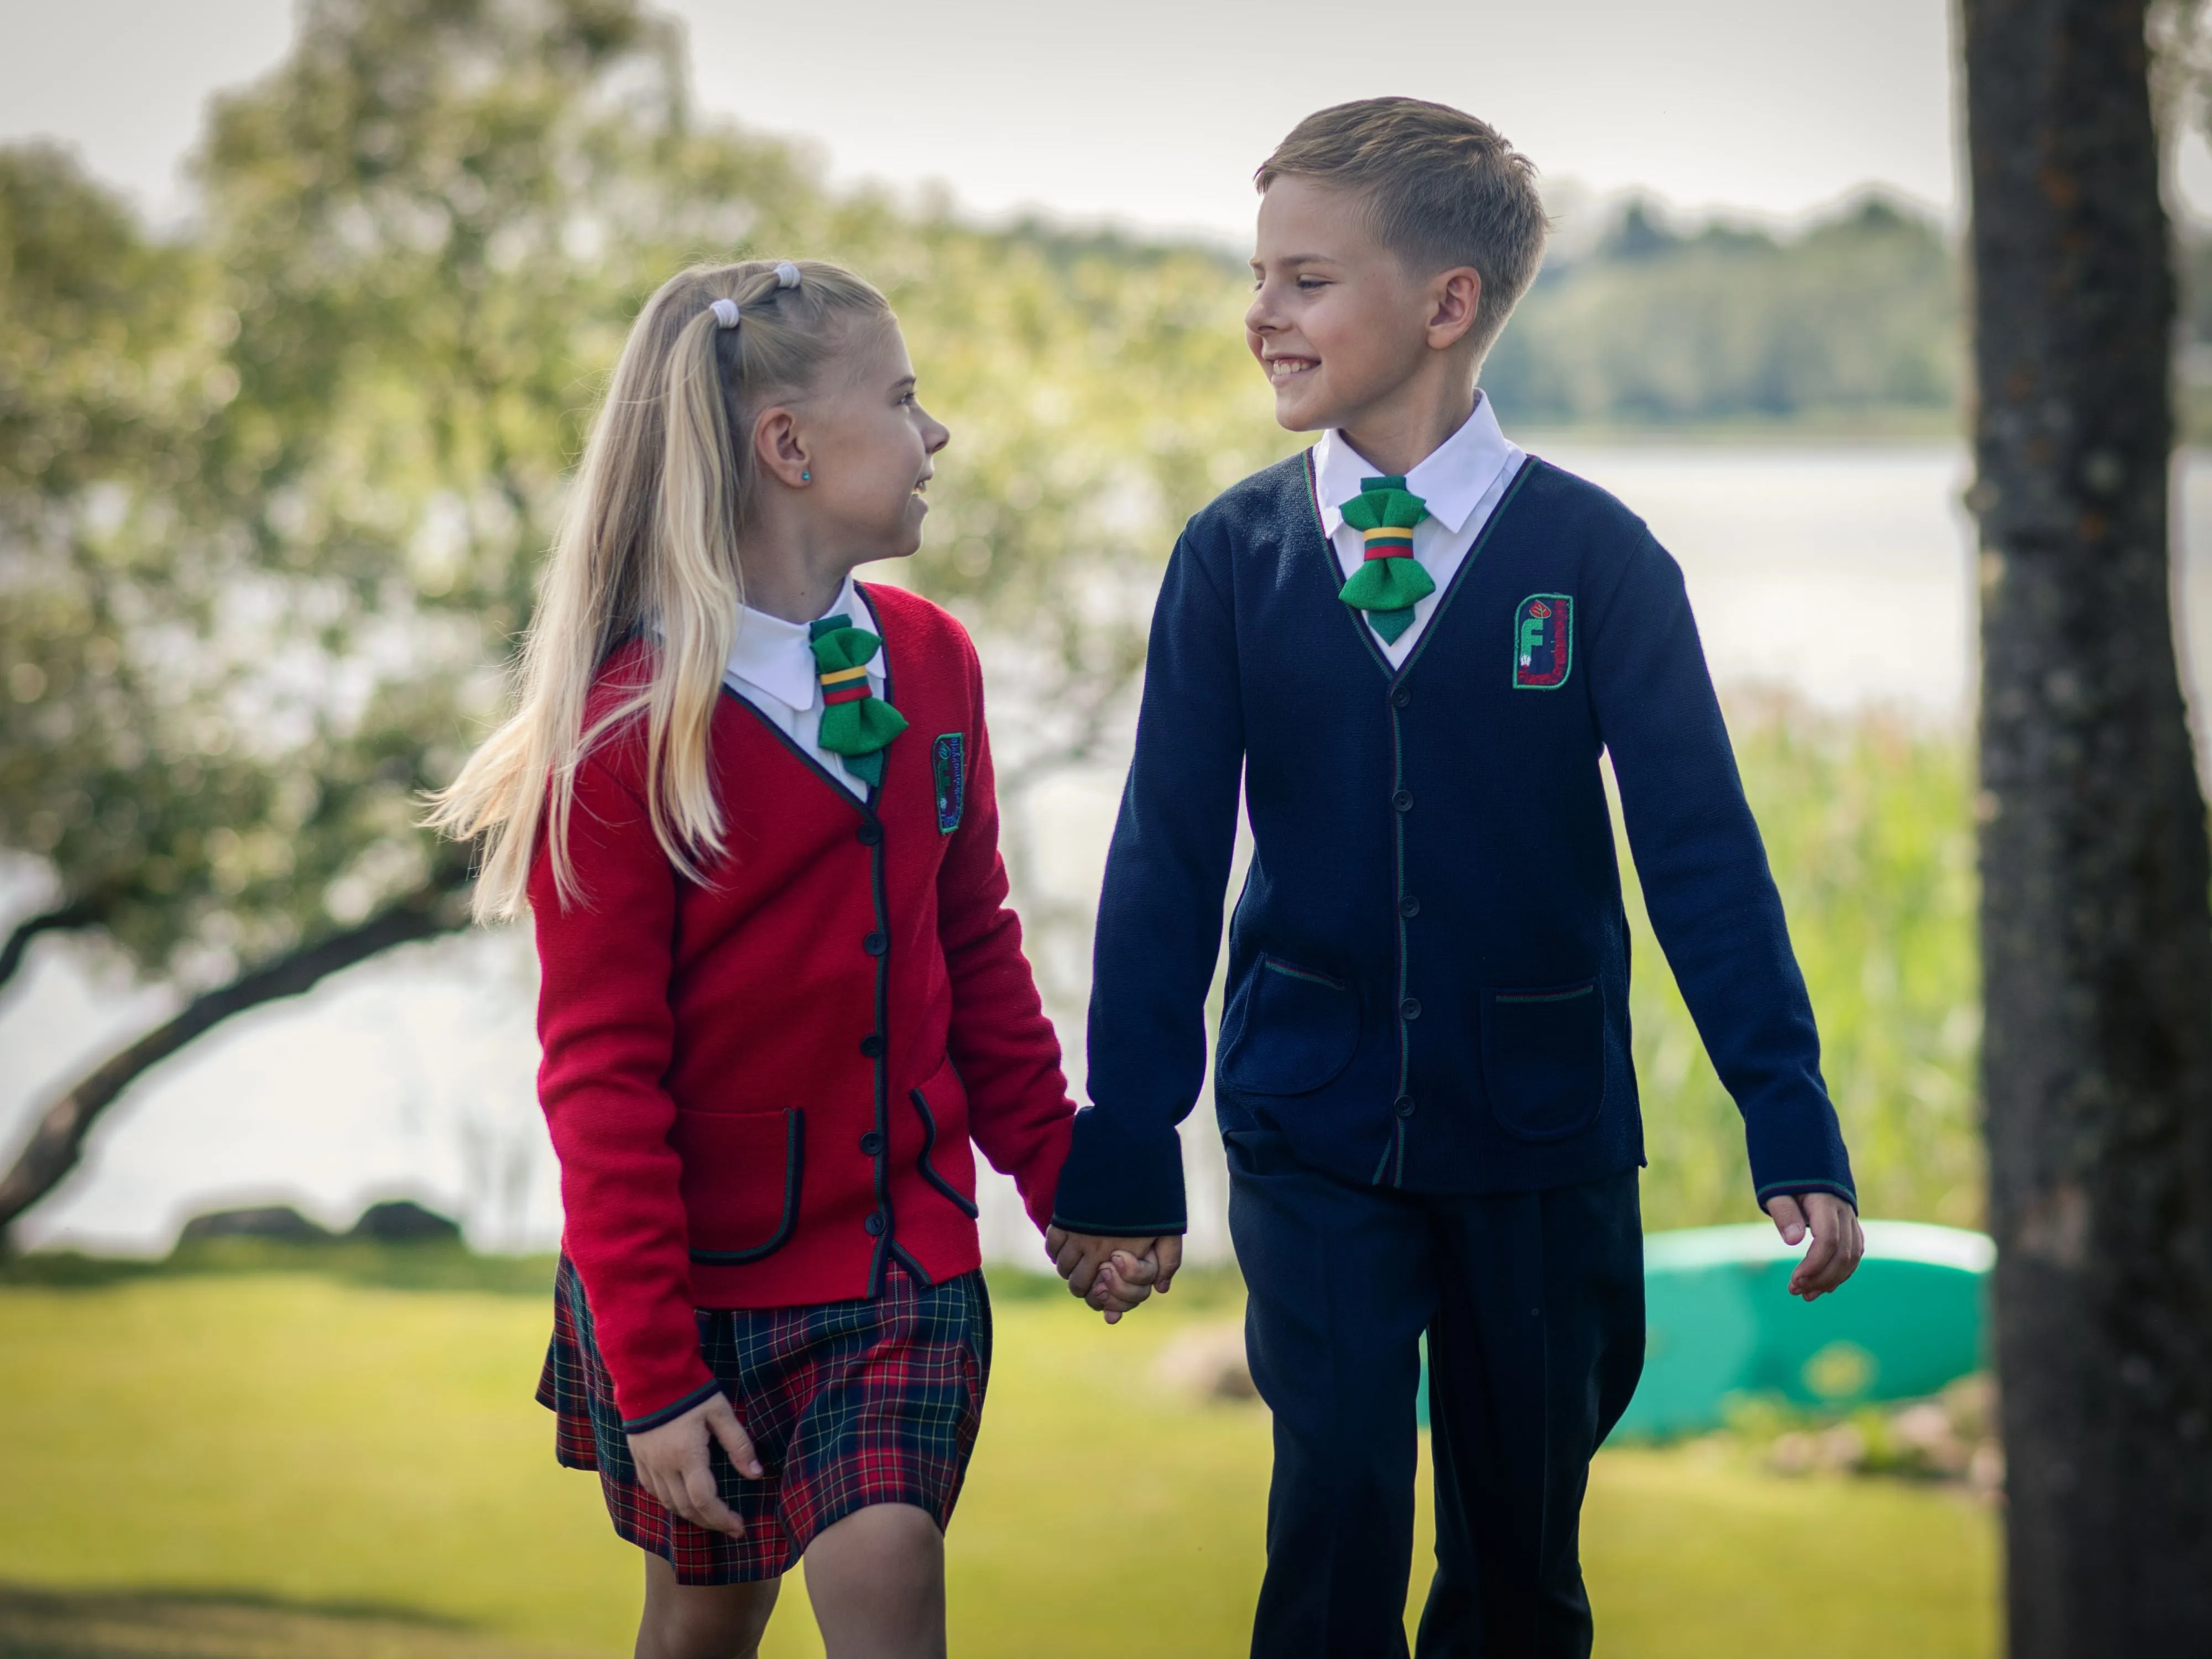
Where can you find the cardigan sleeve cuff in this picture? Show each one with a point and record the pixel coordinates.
(656, 1385)
(1799, 1188)
(673, 1410)
(1121, 1180)
(1799, 1149)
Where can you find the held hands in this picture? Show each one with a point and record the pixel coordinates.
(1114, 1274)
(672, 1461)
(1837, 1244)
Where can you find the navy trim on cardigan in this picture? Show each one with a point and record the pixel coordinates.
(928, 1145)
(1799, 1188)
(698, 1396)
(795, 1167)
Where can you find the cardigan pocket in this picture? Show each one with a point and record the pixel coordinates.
(740, 1181)
(1543, 1059)
(1292, 1029)
(942, 1104)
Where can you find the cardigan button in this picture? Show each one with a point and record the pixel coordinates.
(1410, 1008)
(875, 944)
(1402, 801)
(875, 1224)
(872, 1143)
(870, 833)
(1403, 1106)
(1402, 696)
(1409, 906)
(871, 1046)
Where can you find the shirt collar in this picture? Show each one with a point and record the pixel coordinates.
(1451, 479)
(777, 657)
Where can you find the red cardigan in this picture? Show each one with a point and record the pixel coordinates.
(762, 1090)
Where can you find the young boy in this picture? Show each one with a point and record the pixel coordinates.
(1411, 645)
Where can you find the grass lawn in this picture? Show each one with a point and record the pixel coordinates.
(282, 1465)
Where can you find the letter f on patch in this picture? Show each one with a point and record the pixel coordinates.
(1532, 636)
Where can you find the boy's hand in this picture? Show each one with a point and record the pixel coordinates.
(1114, 1274)
(1837, 1244)
(672, 1461)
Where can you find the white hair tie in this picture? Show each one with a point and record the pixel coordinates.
(725, 312)
(786, 275)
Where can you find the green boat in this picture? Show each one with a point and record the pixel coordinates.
(1722, 1323)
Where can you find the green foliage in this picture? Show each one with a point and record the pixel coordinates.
(1868, 829)
(258, 642)
(273, 593)
(427, 1266)
(1099, 393)
(111, 373)
(1856, 318)
(94, 362)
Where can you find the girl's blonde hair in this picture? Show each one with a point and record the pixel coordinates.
(648, 543)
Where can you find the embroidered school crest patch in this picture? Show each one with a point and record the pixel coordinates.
(948, 758)
(1543, 642)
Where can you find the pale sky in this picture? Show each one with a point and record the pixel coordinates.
(1149, 113)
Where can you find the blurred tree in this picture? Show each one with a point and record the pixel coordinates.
(118, 766)
(1854, 319)
(108, 376)
(288, 615)
(2096, 932)
(1099, 392)
(276, 492)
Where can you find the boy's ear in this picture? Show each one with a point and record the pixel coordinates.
(1454, 295)
(780, 446)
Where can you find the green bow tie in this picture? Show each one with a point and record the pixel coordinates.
(1388, 585)
(856, 723)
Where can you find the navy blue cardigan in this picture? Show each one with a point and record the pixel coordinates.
(1428, 969)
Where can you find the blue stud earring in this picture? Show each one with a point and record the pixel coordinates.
(807, 477)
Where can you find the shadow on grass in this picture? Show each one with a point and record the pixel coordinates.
(130, 1624)
(410, 1267)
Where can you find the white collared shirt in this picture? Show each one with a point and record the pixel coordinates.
(772, 667)
(1462, 480)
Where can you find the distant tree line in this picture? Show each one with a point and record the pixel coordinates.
(1852, 323)
(1855, 319)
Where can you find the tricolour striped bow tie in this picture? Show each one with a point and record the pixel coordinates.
(857, 725)
(1389, 584)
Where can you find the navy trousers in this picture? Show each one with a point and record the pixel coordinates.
(1534, 1307)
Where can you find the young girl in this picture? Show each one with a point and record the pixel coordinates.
(748, 801)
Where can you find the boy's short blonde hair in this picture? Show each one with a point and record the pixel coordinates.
(1443, 190)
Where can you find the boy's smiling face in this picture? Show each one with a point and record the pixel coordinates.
(1336, 321)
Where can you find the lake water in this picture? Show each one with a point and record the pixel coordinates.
(1841, 573)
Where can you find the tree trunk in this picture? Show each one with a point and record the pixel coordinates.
(2096, 939)
(58, 1140)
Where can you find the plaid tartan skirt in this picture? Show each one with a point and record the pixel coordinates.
(847, 1403)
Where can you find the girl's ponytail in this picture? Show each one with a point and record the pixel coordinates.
(649, 546)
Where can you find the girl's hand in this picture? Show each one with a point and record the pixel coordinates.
(672, 1461)
(1125, 1280)
(1114, 1274)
